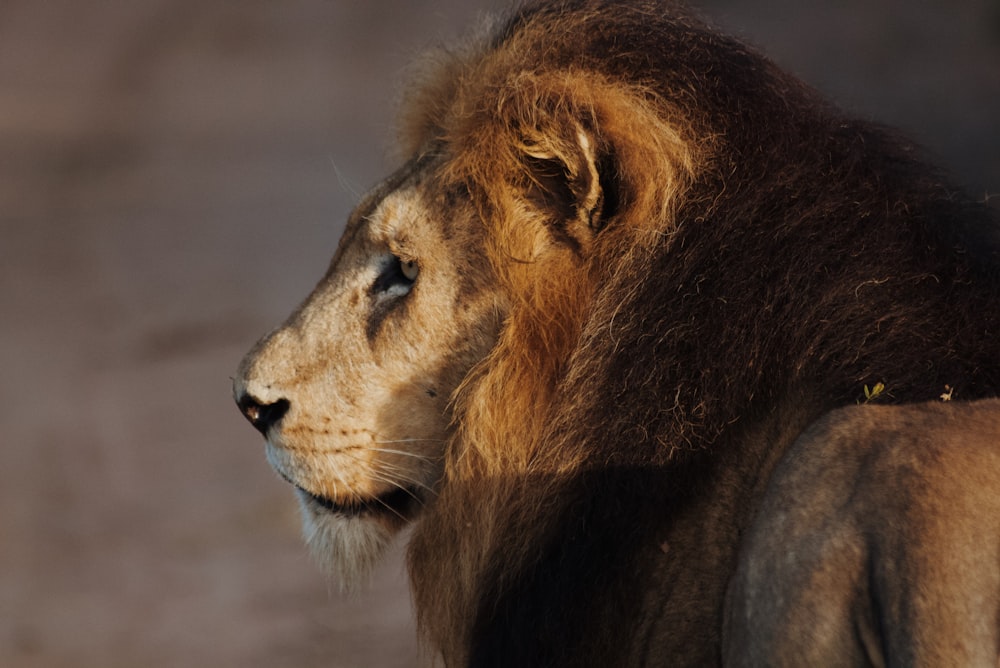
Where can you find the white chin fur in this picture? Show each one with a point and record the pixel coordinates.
(347, 548)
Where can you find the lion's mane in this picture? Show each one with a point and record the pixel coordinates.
(743, 258)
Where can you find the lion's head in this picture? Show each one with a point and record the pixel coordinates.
(352, 392)
(457, 291)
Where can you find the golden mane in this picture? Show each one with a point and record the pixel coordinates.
(500, 121)
(622, 157)
(497, 130)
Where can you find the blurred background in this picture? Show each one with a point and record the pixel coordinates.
(174, 175)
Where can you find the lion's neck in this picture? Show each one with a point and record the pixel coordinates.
(598, 537)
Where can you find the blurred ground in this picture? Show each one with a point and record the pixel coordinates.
(173, 178)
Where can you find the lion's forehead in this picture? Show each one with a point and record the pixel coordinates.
(399, 193)
(399, 214)
(423, 219)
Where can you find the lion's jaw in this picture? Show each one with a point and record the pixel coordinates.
(352, 393)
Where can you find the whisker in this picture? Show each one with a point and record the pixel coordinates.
(343, 483)
(415, 455)
(413, 440)
(360, 456)
(396, 483)
(398, 476)
(398, 480)
(391, 473)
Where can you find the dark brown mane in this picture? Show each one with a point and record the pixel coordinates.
(759, 259)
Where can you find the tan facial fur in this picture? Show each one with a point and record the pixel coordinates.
(367, 366)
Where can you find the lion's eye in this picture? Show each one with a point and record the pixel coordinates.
(396, 278)
(409, 269)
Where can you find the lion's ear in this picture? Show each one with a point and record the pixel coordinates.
(571, 175)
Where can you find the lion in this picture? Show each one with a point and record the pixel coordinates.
(877, 543)
(626, 262)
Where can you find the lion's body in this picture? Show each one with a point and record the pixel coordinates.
(878, 543)
(648, 260)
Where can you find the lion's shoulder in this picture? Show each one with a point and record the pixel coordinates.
(880, 525)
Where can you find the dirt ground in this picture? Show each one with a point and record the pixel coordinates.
(173, 179)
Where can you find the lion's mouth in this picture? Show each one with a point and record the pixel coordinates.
(399, 502)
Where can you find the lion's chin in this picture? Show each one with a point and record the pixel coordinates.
(349, 542)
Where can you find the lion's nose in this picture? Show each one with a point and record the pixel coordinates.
(262, 416)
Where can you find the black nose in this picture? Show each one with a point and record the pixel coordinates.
(262, 416)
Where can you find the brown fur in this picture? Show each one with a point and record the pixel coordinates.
(665, 259)
(877, 543)
(760, 268)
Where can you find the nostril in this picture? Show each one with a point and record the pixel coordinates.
(262, 416)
